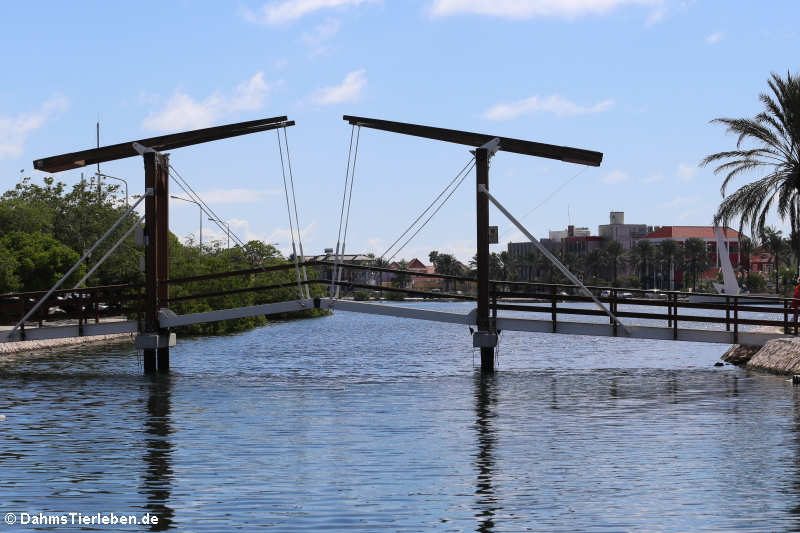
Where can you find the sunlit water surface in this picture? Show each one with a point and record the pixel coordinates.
(358, 422)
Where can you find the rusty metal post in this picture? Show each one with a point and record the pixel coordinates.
(482, 215)
(162, 252)
(150, 257)
(675, 316)
(156, 207)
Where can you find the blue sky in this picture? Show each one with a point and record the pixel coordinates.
(638, 80)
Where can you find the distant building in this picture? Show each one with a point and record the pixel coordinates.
(625, 234)
(705, 233)
(680, 234)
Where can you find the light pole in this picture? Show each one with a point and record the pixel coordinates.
(99, 175)
(227, 226)
(201, 215)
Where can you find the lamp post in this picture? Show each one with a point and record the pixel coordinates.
(99, 175)
(227, 226)
(201, 214)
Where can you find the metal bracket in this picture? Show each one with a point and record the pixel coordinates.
(152, 341)
(492, 147)
(142, 149)
(484, 339)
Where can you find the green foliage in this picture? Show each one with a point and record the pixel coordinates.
(46, 228)
(75, 219)
(39, 260)
(360, 296)
(9, 281)
(190, 261)
(769, 146)
(756, 282)
(696, 259)
(395, 296)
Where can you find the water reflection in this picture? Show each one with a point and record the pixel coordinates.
(485, 413)
(156, 484)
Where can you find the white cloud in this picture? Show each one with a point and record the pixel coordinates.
(686, 172)
(291, 10)
(655, 16)
(654, 178)
(183, 112)
(555, 104)
(14, 130)
(317, 39)
(234, 196)
(614, 177)
(526, 9)
(347, 91)
(715, 37)
(680, 201)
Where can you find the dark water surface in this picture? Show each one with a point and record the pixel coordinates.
(356, 422)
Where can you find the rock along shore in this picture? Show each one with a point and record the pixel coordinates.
(779, 356)
(51, 344)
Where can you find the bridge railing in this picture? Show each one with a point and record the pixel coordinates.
(83, 305)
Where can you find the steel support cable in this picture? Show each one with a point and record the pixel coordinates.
(210, 214)
(289, 212)
(470, 162)
(333, 289)
(434, 212)
(75, 266)
(213, 217)
(181, 181)
(106, 255)
(509, 229)
(349, 200)
(296, 217)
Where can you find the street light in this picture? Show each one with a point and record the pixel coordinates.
(201, 214)
(228, 226)
(98, 174)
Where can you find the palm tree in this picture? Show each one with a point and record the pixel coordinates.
(614, 251)
(773, 242)
(445, 264)
(641, 254)
(595, 262)
(667, 252)
(745, 251)
(696, 258)
(774, 136)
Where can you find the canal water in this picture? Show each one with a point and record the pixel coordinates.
(364, 423)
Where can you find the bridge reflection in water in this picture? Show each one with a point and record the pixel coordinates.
(158, 473)
(487, 502)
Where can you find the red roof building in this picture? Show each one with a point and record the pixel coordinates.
(705, 233)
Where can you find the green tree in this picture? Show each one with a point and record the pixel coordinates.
(768, 145)
(595, 262)
(667, 251)
(773, 242)
(40, 260)
(641, 256)
(446, 264)
(9, 281)
(614, 252)
(696, 258)
(745, 251)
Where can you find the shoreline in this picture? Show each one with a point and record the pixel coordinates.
(16, 347)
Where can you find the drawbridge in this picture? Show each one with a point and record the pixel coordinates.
(524, 306)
